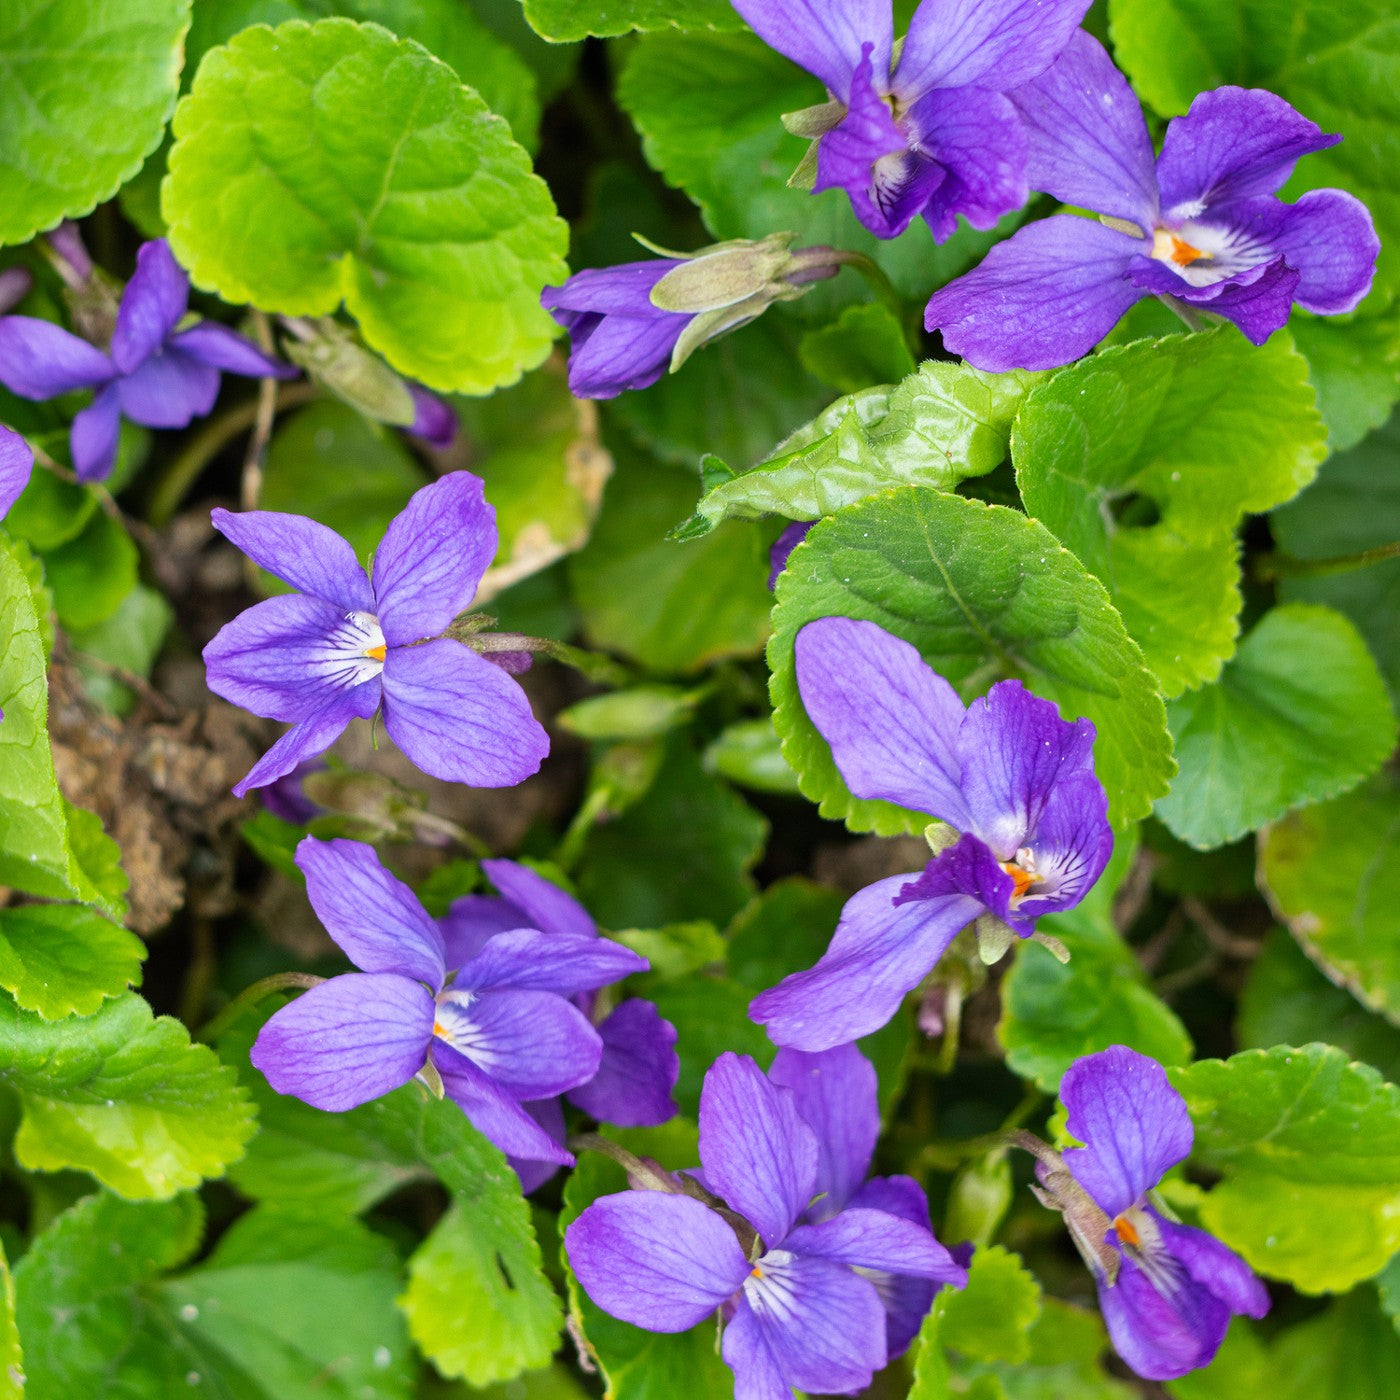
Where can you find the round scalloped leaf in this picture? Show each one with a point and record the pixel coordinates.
(1300, 1136)
(561, 21)
(86, 88)
(329, 162)
(1320, 869)
(1299, 714)
(984, 593)
(58, 959)
(1201, 429)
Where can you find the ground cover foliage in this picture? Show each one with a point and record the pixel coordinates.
(1185, 538)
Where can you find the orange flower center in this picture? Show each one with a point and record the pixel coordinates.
(1127, 1231)
(1020, 878)
(378, 653)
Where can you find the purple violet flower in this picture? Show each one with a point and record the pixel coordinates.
(632, 323)
(1200, 225)
(1006, 771)
(936, 137)
(497, 1031)
(155, 375)
(1167, 1290)
(347, 644)
(816, 1294)
(434, 419)
(639, 1066)
(782, 548)
(16, 464)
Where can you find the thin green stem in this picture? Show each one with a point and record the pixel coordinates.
(250, 996)
(885, 293)
(1278, 565)
(601, 670)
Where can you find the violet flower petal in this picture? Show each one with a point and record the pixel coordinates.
(746, 1353)
(533, 1044)
(312, 735)
(1161, 1337)
(1213, 1266)
(495, 1113)
(1328, 237)
(638, 1071)
(155, 299)
(347, 1041)
(563, 963)
(375, 919)
(1089, 144)
(434, 420)
(623, 289)
(961, 43)
(1014, 748)
(658, 1261)
(782, 548)
(1258, 300)
(458, 717)
(432, 557)
(95, 436)
(272, 658)
(308, 556)
(1234, 143)
(549, 1114)
(755, 1149)
(168, 390)
(891, 720)
(870, 1239)
(824, 36)
(970, 868)
(39, 360)
(978, 140)
(878, 954)
(906, 1299)
(1133, 1123)
(545, 905)
(223, 349)
(473, 920)
(824, 1326)
(1073, 843)
(16, 464)
(1044, 297)
(838, 1098)
(614, 354)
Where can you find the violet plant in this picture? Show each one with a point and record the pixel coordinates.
(960, 768)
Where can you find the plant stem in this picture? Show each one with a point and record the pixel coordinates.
(250, 996)
(1270, 567)
(602, 670)
(885, 293)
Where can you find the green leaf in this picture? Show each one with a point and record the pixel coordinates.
(1200, 428)
(748, 754)
(93, 1267)
(561, 21)
(643, 712)
(991, 1318)
(131, 638)
(51, 511)
(983, 592)
(84, 97)
(332, 464)
(123, 1095)
(427, 220)
(1353, 506)
(537, 449)
(446, 28)
(1299, 1136)
(735, 397)
(37, 853)
(92, 574)
(1337, 64)
(638, 591)
(640, 1365)
(1286, 1000)
(11, 1353)
(683, 852)
(1354, 363)
(1319, 867)
(98, 858)
(675, 951)
(1053, 1013)
(865, 345)
(61, 959)
(941, 425)
(1300, 714)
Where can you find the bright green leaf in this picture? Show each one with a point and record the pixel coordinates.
(92, 574)
(1320, 867)
(86, 89)
(1337, 64)
(865, 345)
(51, 511)
(1299, 1136)
(638, 591)
(1299, 714)
(643, 712)
(61, 959)
(942, 424)
(711, 1016)
(749, 754)
(1286, 1000)
(990, 1319)
(1353, 506)
(675, 951)
(561, 21)
(123, 1095)
(983, 592)
(427, 221)
(1354, 363)
(11, 1353)
(1201, 428)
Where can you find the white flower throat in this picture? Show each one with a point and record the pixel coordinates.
(353, 653)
